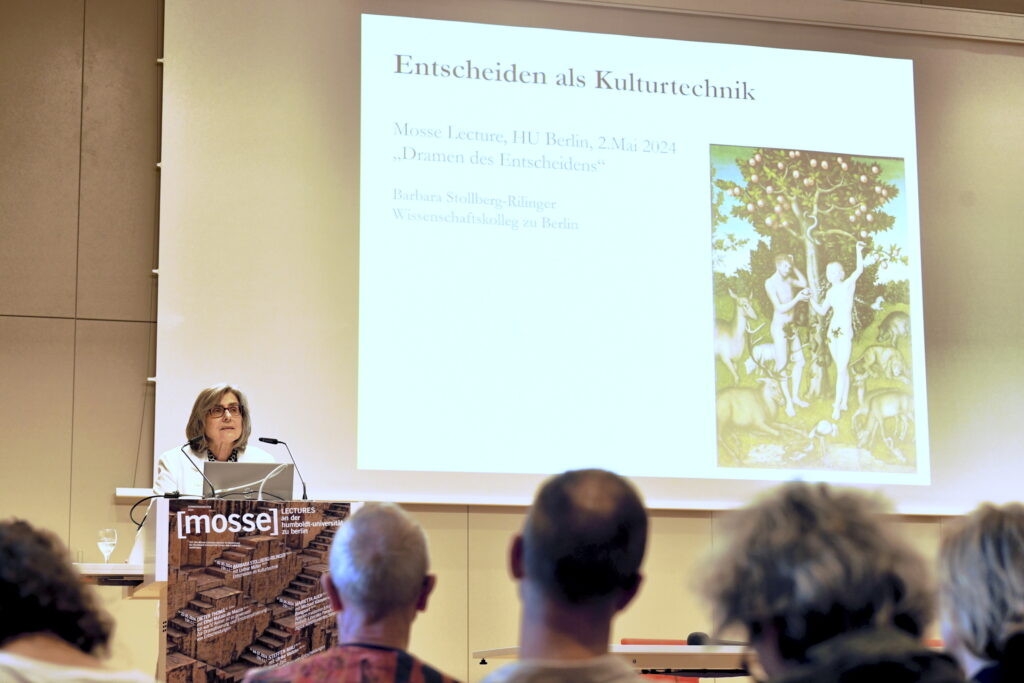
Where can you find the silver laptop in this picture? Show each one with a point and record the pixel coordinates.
(241, 480)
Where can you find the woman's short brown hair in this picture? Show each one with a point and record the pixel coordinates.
(814, 562)
(981, 578)
(207, 399)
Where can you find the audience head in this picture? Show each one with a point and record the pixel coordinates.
(809, 562)
(981, 581)
(583, 540)
(41, 593)
(379, 563)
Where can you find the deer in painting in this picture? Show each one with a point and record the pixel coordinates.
(751, 410)
(731, 335)
(869, 422)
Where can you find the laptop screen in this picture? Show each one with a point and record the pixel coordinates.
(241, 480)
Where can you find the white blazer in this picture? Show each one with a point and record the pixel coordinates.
(175, 473)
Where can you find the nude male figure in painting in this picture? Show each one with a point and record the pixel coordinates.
(786, 288)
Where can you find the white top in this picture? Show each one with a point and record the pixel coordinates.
(175, 473)
(604, 669)
(18, 669)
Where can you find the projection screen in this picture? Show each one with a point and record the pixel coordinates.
(446, 258)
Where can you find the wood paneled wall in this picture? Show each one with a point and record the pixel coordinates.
(1015, 6)
(79, 143)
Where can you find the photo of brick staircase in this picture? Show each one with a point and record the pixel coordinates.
(237, 601)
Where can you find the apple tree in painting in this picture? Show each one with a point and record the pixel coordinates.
(815, 207)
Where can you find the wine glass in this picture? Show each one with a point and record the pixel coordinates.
(107, 541)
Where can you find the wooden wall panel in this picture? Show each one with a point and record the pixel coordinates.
(441, 633)
(923, 533)
(668, 605)
(36, 375)
(113, 407)
(1015, 6)
(493, 595)
(120, 149)
(40, 107)
(136, 631)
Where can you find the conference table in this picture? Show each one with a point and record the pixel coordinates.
(696, 661)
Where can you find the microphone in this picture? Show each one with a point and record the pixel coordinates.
(700, 638)
(192, 443)
(267, 439)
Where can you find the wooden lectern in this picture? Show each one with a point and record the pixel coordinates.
(238, 583)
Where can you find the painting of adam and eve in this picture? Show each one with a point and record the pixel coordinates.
(813, 351)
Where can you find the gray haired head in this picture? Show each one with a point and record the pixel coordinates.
(981, 570)
(811, 562)
(379, 560)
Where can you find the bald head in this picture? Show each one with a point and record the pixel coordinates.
(584, 537)
(379, 560)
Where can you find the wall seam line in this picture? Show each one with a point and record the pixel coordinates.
(81, 136)
(74, 317)
(145, 399)
(78, 244)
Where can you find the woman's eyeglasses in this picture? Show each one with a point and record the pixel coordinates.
(233, 409)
